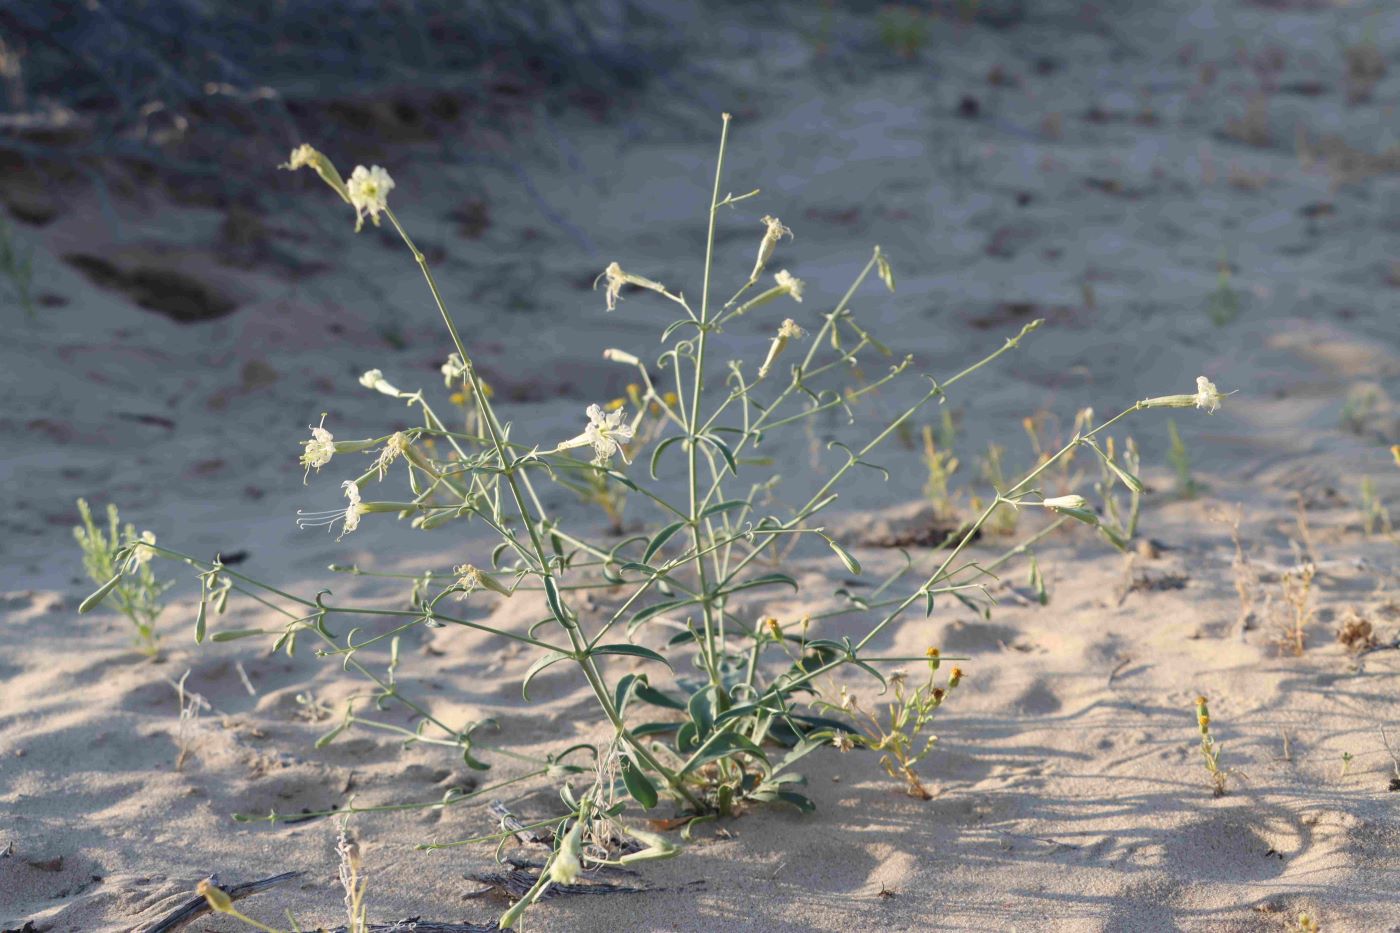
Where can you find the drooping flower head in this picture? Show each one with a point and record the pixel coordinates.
(617, 278)
(306, 156)
(368, 190)
(1208, 397)
(787, 280)
(349, 517)
(788, 330)
(775, 232)
(318, 451)
(396, 446)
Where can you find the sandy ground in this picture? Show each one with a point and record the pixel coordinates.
(1090, 170)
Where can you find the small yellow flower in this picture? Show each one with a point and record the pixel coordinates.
(955, 677)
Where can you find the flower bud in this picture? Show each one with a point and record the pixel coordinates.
(621, 356)
(775, 232)
(304, 156)
(374, 379)
(218, 898)
(565, 867)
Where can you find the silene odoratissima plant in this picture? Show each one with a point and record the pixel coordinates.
(714, 722)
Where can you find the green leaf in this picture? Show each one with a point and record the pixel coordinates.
(655, 728)
(638, 784)
(724, 450)
(331, 736)
(723, 507)
(768, 579)
(660, 538)
(723, 745)
(647, 693)
(652, 612)
(623, 692)
(656, 453)
(633, 651)
(702, 711)
(550, 658)
(556, 605)
(850, 562)
(200, 621)
(237, 633)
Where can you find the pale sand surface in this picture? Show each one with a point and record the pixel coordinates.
(1070, 794)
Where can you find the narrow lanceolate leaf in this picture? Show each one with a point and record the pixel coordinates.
(550, 658)
(652, 612)
(849, 561)
(331, 736)
(556, 605)
(768, 579)
(722, 745)
(632, 651)
(1124, 476)
(646, 692)
(659, 539)
(237, 633)
(656, 452)
(723, 507)
(723, 449)
(623, 693)
(638, 784)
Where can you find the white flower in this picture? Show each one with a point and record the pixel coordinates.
(793, 284)
(621, 356)
(1207, 395)
(368, 190)
(142, 552)
(374, 379)
(468, 579)
(395, 447)
(1065, 502)
(453, 370)
(788, 330)
(319, 450)
(617, 278)
(775, 232)
(305, 156)
(349, 517)
(606, 434)
(842, 741)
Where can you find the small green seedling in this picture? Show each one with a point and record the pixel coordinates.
(897, 736)
(1210, 749)
(1180, 458)
(119, 560)
(1223, 306)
